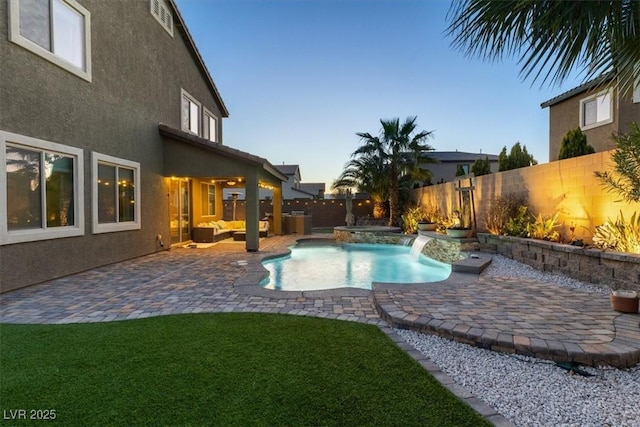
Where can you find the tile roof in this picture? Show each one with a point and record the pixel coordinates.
(457, 156)
(577, 90)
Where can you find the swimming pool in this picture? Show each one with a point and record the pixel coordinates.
(350, 265)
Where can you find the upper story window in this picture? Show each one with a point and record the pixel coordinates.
(57, 30)
(462, 169)
(116, 194)
(210, 126)
(596, 110)
(43, 197)
(190, 113)
(161, 12)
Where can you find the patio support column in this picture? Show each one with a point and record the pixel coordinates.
(277, 211)
(252, 212)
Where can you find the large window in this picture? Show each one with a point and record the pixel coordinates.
(190, 114)
(208, 199)
(57, 30)
(43, 195)
(210, 126)
(596, 110)
(116, 194)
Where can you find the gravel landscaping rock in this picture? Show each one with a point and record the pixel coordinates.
(535, 392)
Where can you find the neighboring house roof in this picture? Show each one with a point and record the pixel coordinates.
(288, 169)
(196, 53)
(577, 90)
(313, 187)
(298, 190)
(220, 149)
(460, 156)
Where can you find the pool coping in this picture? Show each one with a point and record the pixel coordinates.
(472, 265)
(619, 352)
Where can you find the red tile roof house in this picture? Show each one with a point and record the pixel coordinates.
(111, 132)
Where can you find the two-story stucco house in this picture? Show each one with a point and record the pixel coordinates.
(294, 188)
(594, 108)
(111, 133)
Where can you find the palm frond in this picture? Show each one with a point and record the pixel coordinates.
(552, 39)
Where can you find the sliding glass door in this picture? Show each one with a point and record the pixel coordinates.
(180, 210)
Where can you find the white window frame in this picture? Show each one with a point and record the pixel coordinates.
(595, 96)
(207, 115)
(17, 38)
(163, 10)
(43, 233)
(184, 94)
(96, 159)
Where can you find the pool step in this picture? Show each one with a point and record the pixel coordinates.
(475, 263)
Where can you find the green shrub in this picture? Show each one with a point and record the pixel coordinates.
(517, 225)
(544, 228)
(518, 157)
(625, 180)
(574, 144)
(619, 235)
(410, 219)
(501, 210)
(414, 214)
(481, 167)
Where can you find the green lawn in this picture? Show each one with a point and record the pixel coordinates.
(220, 369)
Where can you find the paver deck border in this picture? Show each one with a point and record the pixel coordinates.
(622, 351)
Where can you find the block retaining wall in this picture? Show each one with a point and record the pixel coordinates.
(615, 270)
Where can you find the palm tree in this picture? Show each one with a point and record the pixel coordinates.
(367, 174)
(553, 38)
(392, 156)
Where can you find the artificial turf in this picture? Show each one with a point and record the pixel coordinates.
(219, 369)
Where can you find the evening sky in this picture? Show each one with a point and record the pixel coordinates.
(301, 77)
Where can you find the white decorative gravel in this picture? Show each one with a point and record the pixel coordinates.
(535, 392)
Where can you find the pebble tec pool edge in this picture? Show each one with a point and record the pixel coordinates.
(350, 265)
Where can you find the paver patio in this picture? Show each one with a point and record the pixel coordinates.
(500, 313)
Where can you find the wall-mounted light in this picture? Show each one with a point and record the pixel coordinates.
(231, 182)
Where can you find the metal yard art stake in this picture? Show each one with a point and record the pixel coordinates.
(465, 198)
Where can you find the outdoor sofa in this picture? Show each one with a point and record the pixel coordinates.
(214, 231)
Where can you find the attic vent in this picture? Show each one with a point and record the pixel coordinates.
(161, 12)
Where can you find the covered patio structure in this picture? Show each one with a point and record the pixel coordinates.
(194, 160)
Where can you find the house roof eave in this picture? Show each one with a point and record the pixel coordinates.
(196, 53)
(182, 136)
(598, 81)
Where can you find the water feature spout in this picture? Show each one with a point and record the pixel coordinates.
(405, 241)
(418, 245)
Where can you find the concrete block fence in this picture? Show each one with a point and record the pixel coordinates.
(567, 187)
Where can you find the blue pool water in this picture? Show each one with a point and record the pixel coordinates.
(352, 265)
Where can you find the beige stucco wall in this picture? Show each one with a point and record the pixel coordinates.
(568, 187)
(565, 116)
